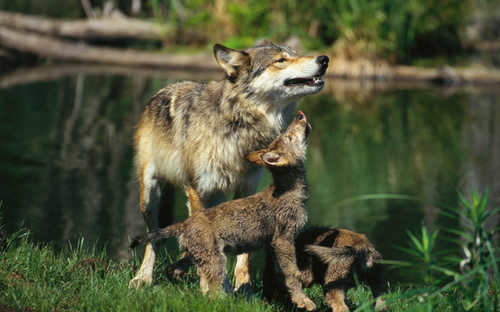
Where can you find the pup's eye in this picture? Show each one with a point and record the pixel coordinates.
(281, 60)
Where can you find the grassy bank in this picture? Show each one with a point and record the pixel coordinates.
(37, 278)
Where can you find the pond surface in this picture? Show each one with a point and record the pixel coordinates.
(66, 156)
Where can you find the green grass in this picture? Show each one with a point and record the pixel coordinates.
(35, 277)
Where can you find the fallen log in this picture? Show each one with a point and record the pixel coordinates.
(103, 27)
(67, 50)
(58, 71)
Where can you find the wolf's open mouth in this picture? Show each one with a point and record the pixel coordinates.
(314, 81)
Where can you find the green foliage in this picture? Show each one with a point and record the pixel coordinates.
(480, 254)
(369, 28)
(396, 29)
(475, 272)
(422, 249)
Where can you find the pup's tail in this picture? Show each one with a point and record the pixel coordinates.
(166, 232)
(329, 254)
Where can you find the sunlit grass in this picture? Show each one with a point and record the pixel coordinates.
(82, 278)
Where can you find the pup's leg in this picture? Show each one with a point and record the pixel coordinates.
(242, 268)
(336, 281)
(285, 255)
(376, 282)
(178, 269)
(334, 297)
(195, 204)
(271, 279)
(203, 282)
(211, 268)
(149, 204)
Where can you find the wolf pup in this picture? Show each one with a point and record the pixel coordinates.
(331, 257)
(198, 134)
(271, 217)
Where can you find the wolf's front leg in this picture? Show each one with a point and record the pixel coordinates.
(150, 194)
(242, 268)
(284, 250)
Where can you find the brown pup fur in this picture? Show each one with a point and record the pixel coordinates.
(272, 217)
(197, 135)
(331, 257)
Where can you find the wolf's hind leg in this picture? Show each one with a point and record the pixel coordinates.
(242, 271)
(149, 205)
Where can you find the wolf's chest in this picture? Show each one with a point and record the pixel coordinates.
(222, 164)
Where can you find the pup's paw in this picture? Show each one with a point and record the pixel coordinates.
(303, 302)
(340, 307)
(178, 270)
(380, 305)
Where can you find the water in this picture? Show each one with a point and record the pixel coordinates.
(66, 156)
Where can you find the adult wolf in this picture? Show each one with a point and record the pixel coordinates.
(199, 134)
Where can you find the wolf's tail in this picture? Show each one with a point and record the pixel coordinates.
(166, 232)
(329, 254)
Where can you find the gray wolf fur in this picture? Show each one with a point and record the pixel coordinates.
(272, 217)
(197, 135)
(331, 257)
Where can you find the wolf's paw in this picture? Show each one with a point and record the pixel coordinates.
(140, 281)
(242, 277)
(303, 302)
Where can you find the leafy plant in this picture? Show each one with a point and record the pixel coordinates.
(479, 252)
(475, 272)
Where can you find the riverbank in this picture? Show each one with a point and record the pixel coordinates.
(56, 41)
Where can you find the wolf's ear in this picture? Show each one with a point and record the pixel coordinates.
(263, 43)
(230, 60)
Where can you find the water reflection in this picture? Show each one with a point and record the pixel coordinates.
(66, 156)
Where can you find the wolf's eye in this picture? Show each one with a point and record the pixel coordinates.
(281, 60)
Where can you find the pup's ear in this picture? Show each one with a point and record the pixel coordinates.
(274, 159)
(230, 60)
(256, 157)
